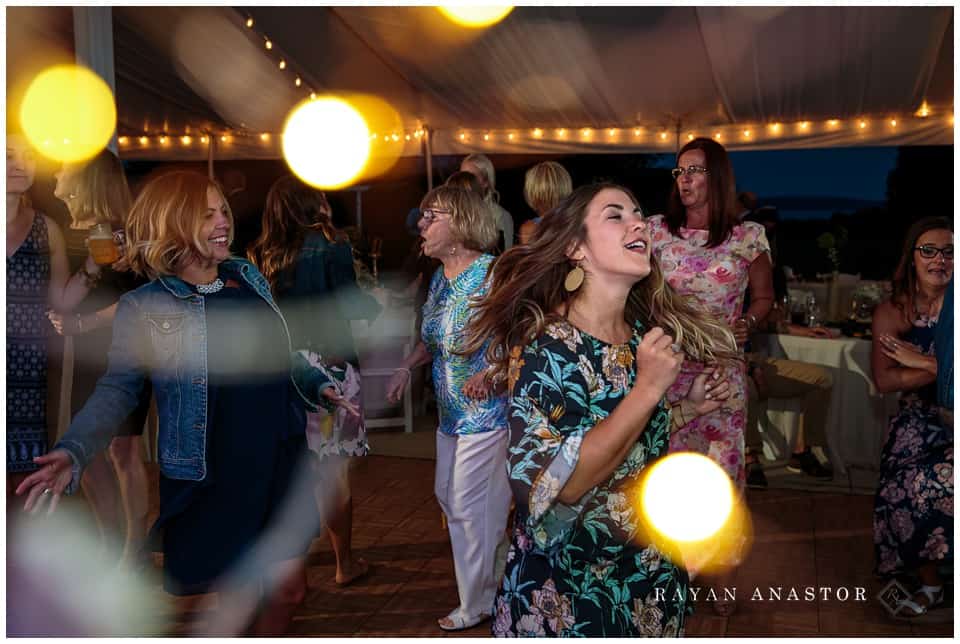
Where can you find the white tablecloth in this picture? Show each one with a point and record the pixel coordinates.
(858, 416)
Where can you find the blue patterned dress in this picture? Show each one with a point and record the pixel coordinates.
(28, 280)
(445, 315)
(580, 570)
(913, 508)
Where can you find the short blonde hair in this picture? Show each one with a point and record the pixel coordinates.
(101, 188)
(472, 220)
(545, 184)
(164, 224)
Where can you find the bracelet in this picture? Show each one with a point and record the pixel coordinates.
(677, 407)
(751, 320)
(89, 280)
(405, 370)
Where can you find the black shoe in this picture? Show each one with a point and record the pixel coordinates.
(756, 479)
(807, 463)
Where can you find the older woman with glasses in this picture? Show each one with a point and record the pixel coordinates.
(711, 258)
(471, 479)
(913, 508)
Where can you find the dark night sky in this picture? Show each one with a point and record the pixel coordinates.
(850, 173)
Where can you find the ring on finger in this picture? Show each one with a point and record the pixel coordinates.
(46, 491)
(676, 347)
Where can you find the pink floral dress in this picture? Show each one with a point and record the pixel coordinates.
(715, 280)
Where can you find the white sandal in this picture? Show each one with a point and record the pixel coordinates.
(934, 595)
(460, 623)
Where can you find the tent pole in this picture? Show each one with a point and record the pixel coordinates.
(428, 134)
(679, 127)
(93, 43)
(211, 141)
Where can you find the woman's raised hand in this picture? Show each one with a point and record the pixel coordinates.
(658, 360)
(48, 483)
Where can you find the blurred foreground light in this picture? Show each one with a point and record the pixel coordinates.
(326, 142)
(69, 584)
(689, 510)
(476, 17)
(71, 108)
(687, 497)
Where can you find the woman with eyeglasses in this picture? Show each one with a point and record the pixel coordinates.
(913, 508)
(711, 258)
(471, 478)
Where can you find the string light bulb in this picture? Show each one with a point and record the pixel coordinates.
(924, 110)
(893, 122)
(804, 125)
(747, 133)
(313, 96)
(636, 131)
(833, 122)
(862, 124)
(283, 64)
(264, 137)
(537, 133)
(186, 140)
(463, 137)
(689, 137)
(407, 137)
(612, 132)
(249, 23)
(663, 136)
(297, 82)
(716, 136)
(395, 137)
(268, 44)
(775, 128)
(224, 138)
(144, 140)
(511, 136)
(122, 140)
(163, 140)
(204, 139)
(562, 132)
(586, 132)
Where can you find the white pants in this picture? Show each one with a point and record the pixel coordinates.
(474, 494)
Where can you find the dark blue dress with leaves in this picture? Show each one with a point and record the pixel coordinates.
(913, 507)
(580, 570)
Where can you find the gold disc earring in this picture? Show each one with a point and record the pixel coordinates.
(574, 279)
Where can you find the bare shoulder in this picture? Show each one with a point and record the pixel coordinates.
(888, 318)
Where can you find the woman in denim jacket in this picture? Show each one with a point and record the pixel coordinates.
(208, 336)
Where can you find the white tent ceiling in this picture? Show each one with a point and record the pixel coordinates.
(546, 79)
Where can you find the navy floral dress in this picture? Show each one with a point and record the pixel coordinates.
(913, 508)
(579, 570)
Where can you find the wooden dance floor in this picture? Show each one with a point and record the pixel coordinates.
(802, 539)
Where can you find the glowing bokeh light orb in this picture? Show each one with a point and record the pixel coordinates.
(474, 16)
(687, 497)
(326, 142)
(68, 113)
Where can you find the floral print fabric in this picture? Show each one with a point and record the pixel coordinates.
(913, 507)
(445, 314)
(715, 280)
(579, 570)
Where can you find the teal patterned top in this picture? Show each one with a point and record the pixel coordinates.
(579, 570)
(445, 314)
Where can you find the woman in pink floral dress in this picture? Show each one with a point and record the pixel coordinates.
(711, 258)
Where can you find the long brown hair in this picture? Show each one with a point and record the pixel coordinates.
(721, 195)
(905, 276)
(293, 210)
(527, 289)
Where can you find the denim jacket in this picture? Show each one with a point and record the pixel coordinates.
(160, 335)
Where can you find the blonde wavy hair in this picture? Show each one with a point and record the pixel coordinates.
(163, 228)
(483, 163)
(527, 289)
(470, 220)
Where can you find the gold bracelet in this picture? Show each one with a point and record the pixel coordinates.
(677, 407)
